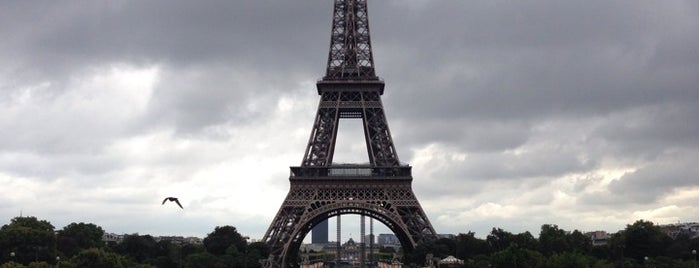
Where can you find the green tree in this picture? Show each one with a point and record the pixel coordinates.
(188, 249)
(39, 264)
(95, 257)
(222, 238)
(468, 246)
(439, 248)
(526, 240)
(78, 236)
(29, 238)
(579, 242)
(644, 239)
(416, 257)
(680, 247)
(602, 252)
(444, 247)
(11, 264)
(568, 260)
(166, 254)
(552, 240)
(514, 256)
(616, 247)
(602, 264)
(499, 239)
(255, 252)
(204, 259)
(138, 247)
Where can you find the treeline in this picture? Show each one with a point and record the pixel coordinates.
(29, 242)
(33, 243)
(641, 244)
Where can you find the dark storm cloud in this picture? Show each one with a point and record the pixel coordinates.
(214, 56)
(621, 75)
(652, 130)
(531, 60)
(53, 40)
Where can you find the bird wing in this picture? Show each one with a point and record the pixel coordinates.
(165, 200)
(178, 203)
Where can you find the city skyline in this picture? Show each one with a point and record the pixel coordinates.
(513, 115)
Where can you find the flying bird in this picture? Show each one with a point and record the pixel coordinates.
(171, 199)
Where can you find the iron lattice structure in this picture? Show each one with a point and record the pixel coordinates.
(381, 189)
(350, 54)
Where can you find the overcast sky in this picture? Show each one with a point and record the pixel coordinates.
(513, 114)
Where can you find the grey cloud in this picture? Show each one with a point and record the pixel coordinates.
(54, 39)
(657, 179)
(467, 135)
(570, 58)
(75, 165)
(647, 132)
(573, 87)
(479, 172)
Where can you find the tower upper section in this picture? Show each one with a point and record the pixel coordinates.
(350, 56)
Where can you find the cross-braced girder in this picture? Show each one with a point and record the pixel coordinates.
(320, 189)
(350, 55)
(355, 100)
(312, 200)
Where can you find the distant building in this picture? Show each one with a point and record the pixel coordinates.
(449, 236)
(118, 238)
(193, 240)
(111, 237)
(369, 239)
(319, 233)
(171, 239)
(598, 238)
(690, 229)
(388, 239)
(350, 250)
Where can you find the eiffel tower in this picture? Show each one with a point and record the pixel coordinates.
(320, 189)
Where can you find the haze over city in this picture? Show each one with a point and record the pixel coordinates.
(583, 114)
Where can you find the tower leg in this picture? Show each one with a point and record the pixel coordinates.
(338, 255)
(362, 249)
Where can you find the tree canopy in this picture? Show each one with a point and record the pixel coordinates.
(33, 243)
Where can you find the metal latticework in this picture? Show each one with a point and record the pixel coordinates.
(350, 54)
(314, 199)
(350, 100)
(320, 189)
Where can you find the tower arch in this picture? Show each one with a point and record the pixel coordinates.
(373, 211)
(319, 188)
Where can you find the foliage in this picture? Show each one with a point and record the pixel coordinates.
(11, 264)
(255, 252)
(568, 259)
(525, 240)
(78, 236)
(644, 239)
(222, 238)
(416, 257)
(29, 238)
(35, 244)
(138, 248)
(39, 264)
(95, 257)
(204, 259)
(517, 257)
(498, 239)
(468, 246)
(553, 240)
